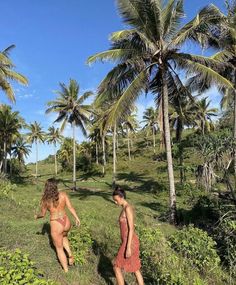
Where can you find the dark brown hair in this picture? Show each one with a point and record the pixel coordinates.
(51, 194)
(120, 192)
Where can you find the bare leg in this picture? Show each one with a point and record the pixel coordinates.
(66, 245)
(139, 277)
(119, 276)
(62, 258)
(57, 236)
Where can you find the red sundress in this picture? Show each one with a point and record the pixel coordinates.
(131, 264)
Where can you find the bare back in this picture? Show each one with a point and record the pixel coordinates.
(59, 210)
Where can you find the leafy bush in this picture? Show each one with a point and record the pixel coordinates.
(6, 189)
(17, 268)
(195, 245)
(160, 264)
(81, 243)
(225, 236)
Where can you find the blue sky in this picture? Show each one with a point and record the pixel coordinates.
(53, 39)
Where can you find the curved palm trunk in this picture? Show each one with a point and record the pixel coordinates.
(114, 156)
(168, 151)
(96, 145)
(74, 158)
(154, 139)
(55, 158)
(103, 154)
(36, 164)
(128, 143)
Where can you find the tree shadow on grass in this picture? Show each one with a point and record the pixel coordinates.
(146, 184)
(84, 193)
(105, 267)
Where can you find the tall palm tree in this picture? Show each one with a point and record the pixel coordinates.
(36, 135)
(148, 57)
(71, 109)
(150, 120)
(21, 150)
(204, 114)
(54, 137)
(10, 124)
(130, 124)
(7, 74)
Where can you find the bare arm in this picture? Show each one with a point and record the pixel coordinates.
(130, 218)
(72, 210)
(42, 213)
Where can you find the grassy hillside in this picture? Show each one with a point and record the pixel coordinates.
(145, 180)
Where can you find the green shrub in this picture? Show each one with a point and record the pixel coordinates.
(81, 243)
(7, 189)
(225, 236)
(17, 268)
(195, 245)
(160, 264)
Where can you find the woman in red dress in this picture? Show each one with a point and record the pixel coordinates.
(128, 254)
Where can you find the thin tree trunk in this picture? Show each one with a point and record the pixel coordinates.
(235, 137)
(10, 163)
(5, 156)
(128, 143)
(36, 164)
(74, 158)
(168, 151)
(96, 145)
(103, 155)
(154, 140)
(114, 156)
(55, 158)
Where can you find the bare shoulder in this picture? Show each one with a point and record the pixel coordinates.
(63, 194)
(129, 209)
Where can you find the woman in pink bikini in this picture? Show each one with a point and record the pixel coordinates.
(128, 254)
(56, 202)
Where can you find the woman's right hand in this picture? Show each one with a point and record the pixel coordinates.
(77, 222)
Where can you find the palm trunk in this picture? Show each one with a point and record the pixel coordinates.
(10, 163)
(55, 158)
(179, 131)
(74, 158)
(114, 156)
(36, 164)
(235, 136)
(154, 139)
(172, 195)
(103, 154)
(96, 145)
(128, 143)
(5, 156)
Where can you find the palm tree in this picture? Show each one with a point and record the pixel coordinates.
(54, 137)
(204, 114)
(10, 124)
(7, 74)
(36, 135)
(148, 56)
(150, 120)
(130, 124)
(21, 149)
(70, 108)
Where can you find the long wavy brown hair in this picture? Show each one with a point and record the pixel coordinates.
(51, 194)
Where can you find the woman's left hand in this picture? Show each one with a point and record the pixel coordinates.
(128, 253)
